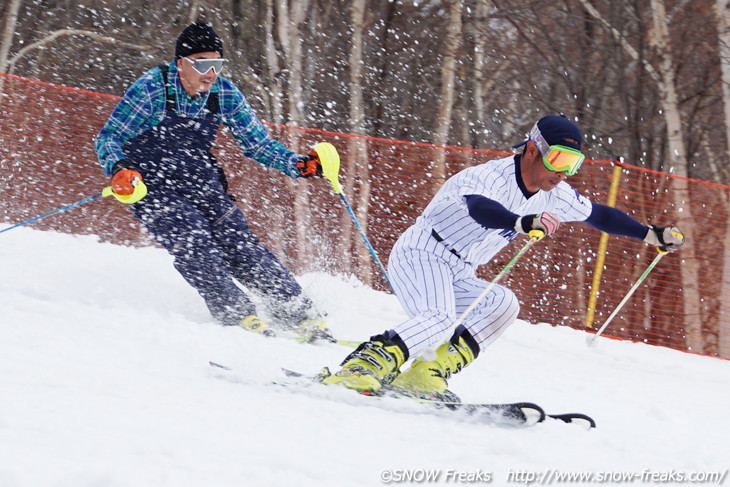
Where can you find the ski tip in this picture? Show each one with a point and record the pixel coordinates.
(217, 365)
(323, 374)
(291, 373)
(348, 343)
(531, 412)
(582, 420)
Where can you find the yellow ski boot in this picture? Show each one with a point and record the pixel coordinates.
(255, 325)
(313, 330)
(374, 362)
(428, 377)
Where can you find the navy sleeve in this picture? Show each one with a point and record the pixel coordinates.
(489, 213)
(615, 222)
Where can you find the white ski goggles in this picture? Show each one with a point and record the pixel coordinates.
(202, 66)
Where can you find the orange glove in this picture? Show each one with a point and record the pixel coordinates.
(310, 165)
(122, 181)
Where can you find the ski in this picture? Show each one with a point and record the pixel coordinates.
(575, 418)
(310, 338)
(219, 366)
(516, 414)
(519, 413)
(316, 340)
(512, 414)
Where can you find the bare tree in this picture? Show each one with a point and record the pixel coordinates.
(11, 20)
(678, 165)
(289, 29)
(195, 8)
(289, 20)
(10, 65)
(276, 80)
(663, 77)
(357, 147)
(480, 56)
(446, 98)
(722, 11)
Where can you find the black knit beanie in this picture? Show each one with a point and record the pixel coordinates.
(198, 37)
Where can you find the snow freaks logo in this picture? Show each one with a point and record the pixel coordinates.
(423, 476)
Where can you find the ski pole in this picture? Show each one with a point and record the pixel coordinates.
(57, 210)
(535, 235)
(126, 199)
(591, 339)
(365, 238)
(331, 170)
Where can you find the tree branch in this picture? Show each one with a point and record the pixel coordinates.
(71, 32)
(621, 39)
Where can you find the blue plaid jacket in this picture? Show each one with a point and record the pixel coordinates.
(143, 106)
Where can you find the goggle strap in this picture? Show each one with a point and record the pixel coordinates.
(546, 149)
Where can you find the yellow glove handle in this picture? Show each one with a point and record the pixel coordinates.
(140, 191)
(330, 160)
(536, 234)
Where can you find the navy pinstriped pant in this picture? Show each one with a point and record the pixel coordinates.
(434, 286)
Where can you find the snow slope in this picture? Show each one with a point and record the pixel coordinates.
(104, 381)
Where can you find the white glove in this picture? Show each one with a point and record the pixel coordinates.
(545, 222)
(666, 239)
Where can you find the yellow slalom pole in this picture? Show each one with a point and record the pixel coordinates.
(602, 246)
(330, 160)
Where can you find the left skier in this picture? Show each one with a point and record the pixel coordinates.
(156, 146)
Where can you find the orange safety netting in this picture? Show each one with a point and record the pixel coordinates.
(47, 161)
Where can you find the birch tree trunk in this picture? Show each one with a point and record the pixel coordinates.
(483, 83)
(272, 62)
(446, 99)
(293, 50)
(357, 146)
(722, 12)
(480, 48)
(11, 19)
(194, 11)
(289, 29)
(678, 166)
(664, 79)
(6, 42)
(277, 224)
(723, 341)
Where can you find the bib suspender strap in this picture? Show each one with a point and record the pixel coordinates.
(170, 101)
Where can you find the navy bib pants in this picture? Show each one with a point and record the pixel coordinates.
(189, 213)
